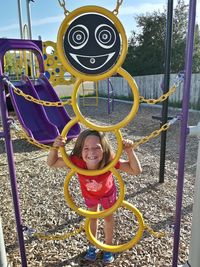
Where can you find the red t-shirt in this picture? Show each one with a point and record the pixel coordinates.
(94, 186)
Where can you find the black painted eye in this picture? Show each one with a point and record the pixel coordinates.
(78, 36)
(105, 36)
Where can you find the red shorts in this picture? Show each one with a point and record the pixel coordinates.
(106, 201)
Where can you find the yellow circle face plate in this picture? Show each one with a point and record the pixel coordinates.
(92, 43)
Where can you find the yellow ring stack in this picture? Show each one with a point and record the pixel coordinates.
(114, 128)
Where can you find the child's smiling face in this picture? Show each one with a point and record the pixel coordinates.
(92, 152)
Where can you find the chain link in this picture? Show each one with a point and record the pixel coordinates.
(160, 99)
(62, 4)
(152, 135)
(152, 232)
(178, 80)
(33, 233)
(21, 133)
(116, 10)
(39, 101)
(66, 11)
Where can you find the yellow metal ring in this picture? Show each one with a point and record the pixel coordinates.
(122, 123)
(97, 214)
(90, 172)
(63, 28)
(122, 247)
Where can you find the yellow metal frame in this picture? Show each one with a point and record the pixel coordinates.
(81, 77)
(122, 123)
(56, 78)
(97, 214)
(90, 172)
(122, 247)
(63, 28)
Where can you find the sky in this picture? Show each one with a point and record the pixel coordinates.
(47, 15)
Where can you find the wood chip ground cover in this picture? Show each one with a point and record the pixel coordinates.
(44, 208)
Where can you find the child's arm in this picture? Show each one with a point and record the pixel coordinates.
(53, 160)
(132, 165)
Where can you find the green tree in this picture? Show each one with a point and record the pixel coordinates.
(9, 65)
(196, 52)
(146, 53)
(146, 49)
(180, 21)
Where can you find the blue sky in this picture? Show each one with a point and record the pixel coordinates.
(47, 15)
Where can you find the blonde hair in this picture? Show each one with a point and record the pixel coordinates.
(107, 150)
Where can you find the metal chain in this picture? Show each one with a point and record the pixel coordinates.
(152, 232)
(152, 135)
(22, 134)
(62, 4)
(66, 12)
(39, 101)
(33, 233)
(178, 80)
(148, 229)
(160, 99)
(116, 10)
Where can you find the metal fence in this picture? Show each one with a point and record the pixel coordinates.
(151, 87)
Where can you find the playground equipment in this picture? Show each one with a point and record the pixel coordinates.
(3, 259)
(184, 128)
(87, 71)
(41, 123)
(54, 70)
(194, 256)
(166, 86)
(92, 45)
(110, 96)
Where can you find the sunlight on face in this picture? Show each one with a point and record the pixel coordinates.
(92, 152)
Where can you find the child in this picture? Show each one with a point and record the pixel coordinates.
(92, 151)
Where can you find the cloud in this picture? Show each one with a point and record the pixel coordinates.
(140, 9)
(48, 20)
(9, 27)
(124, 10)
(148, 8)
(43, 21)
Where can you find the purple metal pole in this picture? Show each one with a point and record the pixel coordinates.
(108, 84)
(112, 90)
(184, 129)
(10, 158)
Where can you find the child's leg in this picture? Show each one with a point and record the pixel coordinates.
(108, 229)
(108, 257)
(109, 222)
(93, 222)
(91, 252)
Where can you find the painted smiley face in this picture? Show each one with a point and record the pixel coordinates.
(92, 44)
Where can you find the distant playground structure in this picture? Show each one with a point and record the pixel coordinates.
(46, 122)
(43, 115)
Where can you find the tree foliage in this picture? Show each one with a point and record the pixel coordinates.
(146, 51)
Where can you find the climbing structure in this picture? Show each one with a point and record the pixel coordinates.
(92, 45)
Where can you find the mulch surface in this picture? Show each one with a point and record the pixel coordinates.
(44, 209)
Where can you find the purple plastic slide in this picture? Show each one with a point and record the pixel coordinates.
(32, 116)
(57, 115)
(42, 124)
